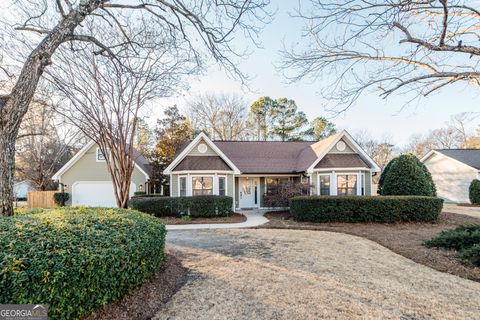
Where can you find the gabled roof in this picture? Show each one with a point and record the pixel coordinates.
(469, 157)
(141, 163)
(276, 156)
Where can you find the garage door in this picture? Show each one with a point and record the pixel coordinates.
(95, 194)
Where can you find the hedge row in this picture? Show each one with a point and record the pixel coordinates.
(77, 259)
(384, 209)
(196, 206)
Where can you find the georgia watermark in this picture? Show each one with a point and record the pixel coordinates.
(23, 312)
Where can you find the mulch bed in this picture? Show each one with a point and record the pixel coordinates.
(405, 239)
(147, 299)
(233, 218)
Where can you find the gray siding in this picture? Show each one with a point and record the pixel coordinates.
(347, 149)
(88, 169)
(195, 152)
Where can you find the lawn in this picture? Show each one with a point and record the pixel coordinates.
(406, 239)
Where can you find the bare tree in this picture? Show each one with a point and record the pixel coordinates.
(380, 150)
(223, 116)
(104, 98)
(456, 134)
(391, 46)
(34, 30)
(44, 145)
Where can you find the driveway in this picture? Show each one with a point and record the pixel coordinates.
(466, 210)
(292, 274)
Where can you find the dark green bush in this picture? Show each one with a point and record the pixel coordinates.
(459, 238)
(407, 176)
(384, 174)
(61, 198)
(474, 191)
(196, 206)
(140, 193)
(471, 254)
(385, 209)
(77, 259)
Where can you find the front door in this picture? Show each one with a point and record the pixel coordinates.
(248, 193)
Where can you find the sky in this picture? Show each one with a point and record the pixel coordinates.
(381, 118)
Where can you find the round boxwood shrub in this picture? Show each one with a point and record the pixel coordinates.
(474, 191)
(77, 259)
(408, 176)
(61, 198)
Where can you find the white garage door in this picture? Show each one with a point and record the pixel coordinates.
(95, 194)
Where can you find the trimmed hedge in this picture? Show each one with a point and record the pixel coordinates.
(384, 209)
(77, 259)
(474, 191)
(196, 206)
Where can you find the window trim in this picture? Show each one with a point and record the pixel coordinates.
(319, 184)
(348, 174)
(217, 183)
(180, 185)
(97, 151)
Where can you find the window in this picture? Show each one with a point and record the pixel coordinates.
(100, 156)
(347, 185)
(222, 191)
(324, 185)
(183, 186)
(272, 184)
(202, 186)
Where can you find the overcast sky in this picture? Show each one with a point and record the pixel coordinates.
(380, 117)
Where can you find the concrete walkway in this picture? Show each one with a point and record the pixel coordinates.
(254, 218)
(469, 211)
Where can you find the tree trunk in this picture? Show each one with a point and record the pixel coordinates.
(14, 106)
(7, 169)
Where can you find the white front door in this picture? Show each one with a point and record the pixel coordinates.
(248, 193)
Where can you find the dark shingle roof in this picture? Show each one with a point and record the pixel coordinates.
(470, 157)
(202, 163)
(342, 160)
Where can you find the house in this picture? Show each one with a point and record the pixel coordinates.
(452, 171)
(87, 180)
(21, 189)
(246, 170)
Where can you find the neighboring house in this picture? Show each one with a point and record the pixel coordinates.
(87, 180)
(245, 170)
(21, 189)
(452, 171)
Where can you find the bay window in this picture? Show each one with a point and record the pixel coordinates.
(222, 188)
(182, 186)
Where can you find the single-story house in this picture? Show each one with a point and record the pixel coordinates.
(21, 189)
(87, 180)
(246, 170)
(452, 171)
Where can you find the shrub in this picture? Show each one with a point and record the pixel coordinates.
(385, 209)
(459, 238)
(279, 195)
(196, 206)
(384, 174)
(471, 254)
(407, 176)
(61, 198)
(474, 191)
(77, 262)
(139, 193)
